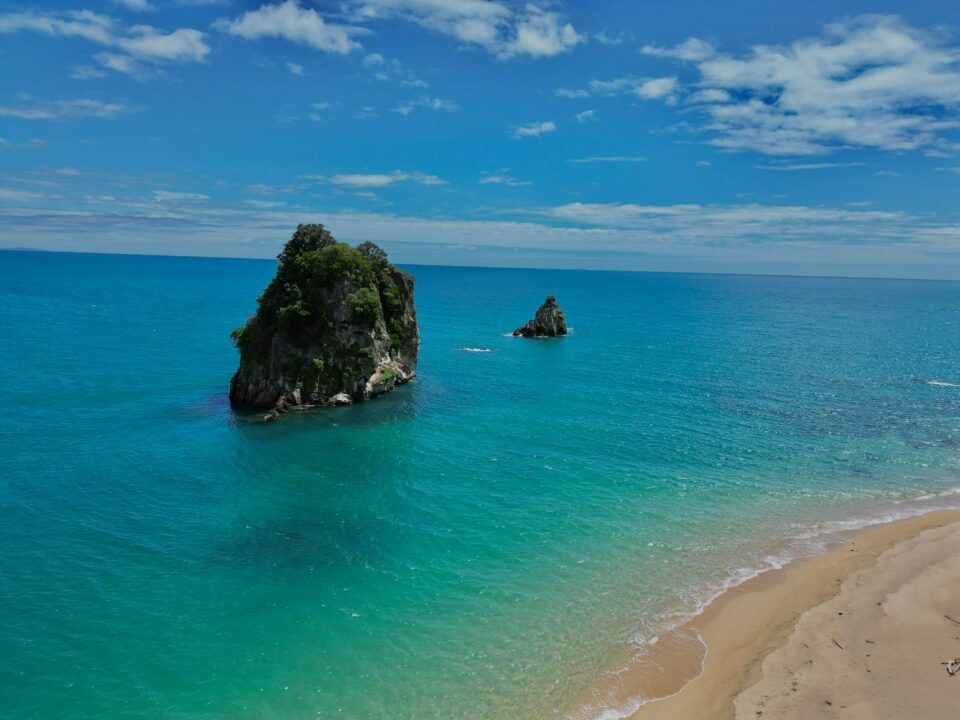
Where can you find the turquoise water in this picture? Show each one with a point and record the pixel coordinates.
(487, 542)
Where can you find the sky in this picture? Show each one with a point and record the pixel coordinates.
(669, 135)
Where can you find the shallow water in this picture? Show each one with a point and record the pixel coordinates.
(486, 542)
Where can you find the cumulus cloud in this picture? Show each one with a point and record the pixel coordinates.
(130, 47)
(692, 49)
(586, 115)
(655, 89)
(290, 21)
(181, 45)
(63, 110)
(534, 130)
(383, 179)
(661, 88)
(569, 93)
(502, 179)
(430, 103)
(135, 5)
(871, 81)
(502, 29)
(73, 23)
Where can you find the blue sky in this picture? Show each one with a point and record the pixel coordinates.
(809, 138)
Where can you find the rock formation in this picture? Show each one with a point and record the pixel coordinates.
(548, 322)
(336, 325)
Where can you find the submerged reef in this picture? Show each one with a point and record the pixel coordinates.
(336, 325)
(548, 322)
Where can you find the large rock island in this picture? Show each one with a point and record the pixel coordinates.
(548, 322)
(336, 325)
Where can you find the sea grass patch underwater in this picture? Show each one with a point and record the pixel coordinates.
(484, 542)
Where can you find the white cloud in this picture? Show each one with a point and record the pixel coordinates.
(534, 130)
(710, 95)
(691, 49)
(717, 218)
(736, 238)
(499, 179)
(871, 81)
(75, 23)
(181, 45)
(318, 109)
(131, 46)
(18, 195)
(135, 5)
(656, 88)
(808, 166)
(383, 179)
(290, 21)
(431, 103)
(63, 110)
(500, 28)
(541, 34)
(294, 68)
(86, 72)
(568, 93)
(662, 88)
(265, 204)
(185, 197)
(954, 170)
(586, 115)
(609, 159)
(604, 39)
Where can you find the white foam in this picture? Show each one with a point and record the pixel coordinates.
(808, 542)
(631, 706)
(942, 383)
(476, 350)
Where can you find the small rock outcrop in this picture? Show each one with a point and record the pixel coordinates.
(548, 322)
(336, 325)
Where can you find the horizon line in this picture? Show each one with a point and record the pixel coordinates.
(18, 249)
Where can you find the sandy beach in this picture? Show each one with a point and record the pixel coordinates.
(858, 632)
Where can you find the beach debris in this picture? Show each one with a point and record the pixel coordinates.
(837, 644)
(953, 620)
(953, 666)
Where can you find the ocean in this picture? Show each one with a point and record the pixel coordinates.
(487, 542)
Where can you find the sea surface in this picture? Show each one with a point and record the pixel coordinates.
(486, 542)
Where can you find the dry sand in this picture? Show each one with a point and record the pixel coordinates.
(858, 632)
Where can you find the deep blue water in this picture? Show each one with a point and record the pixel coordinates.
(486, 542)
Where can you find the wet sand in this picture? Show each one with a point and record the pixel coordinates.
(858, 632)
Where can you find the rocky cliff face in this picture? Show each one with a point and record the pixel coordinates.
(336, 325)
(548, 322)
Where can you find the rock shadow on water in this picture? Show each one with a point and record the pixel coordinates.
(404, 404)
(302, 545)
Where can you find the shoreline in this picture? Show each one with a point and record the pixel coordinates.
(727, 660)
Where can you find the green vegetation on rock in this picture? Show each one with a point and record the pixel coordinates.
(330, 316)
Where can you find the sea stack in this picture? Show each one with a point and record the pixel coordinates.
(336, 325)
(548, 322)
